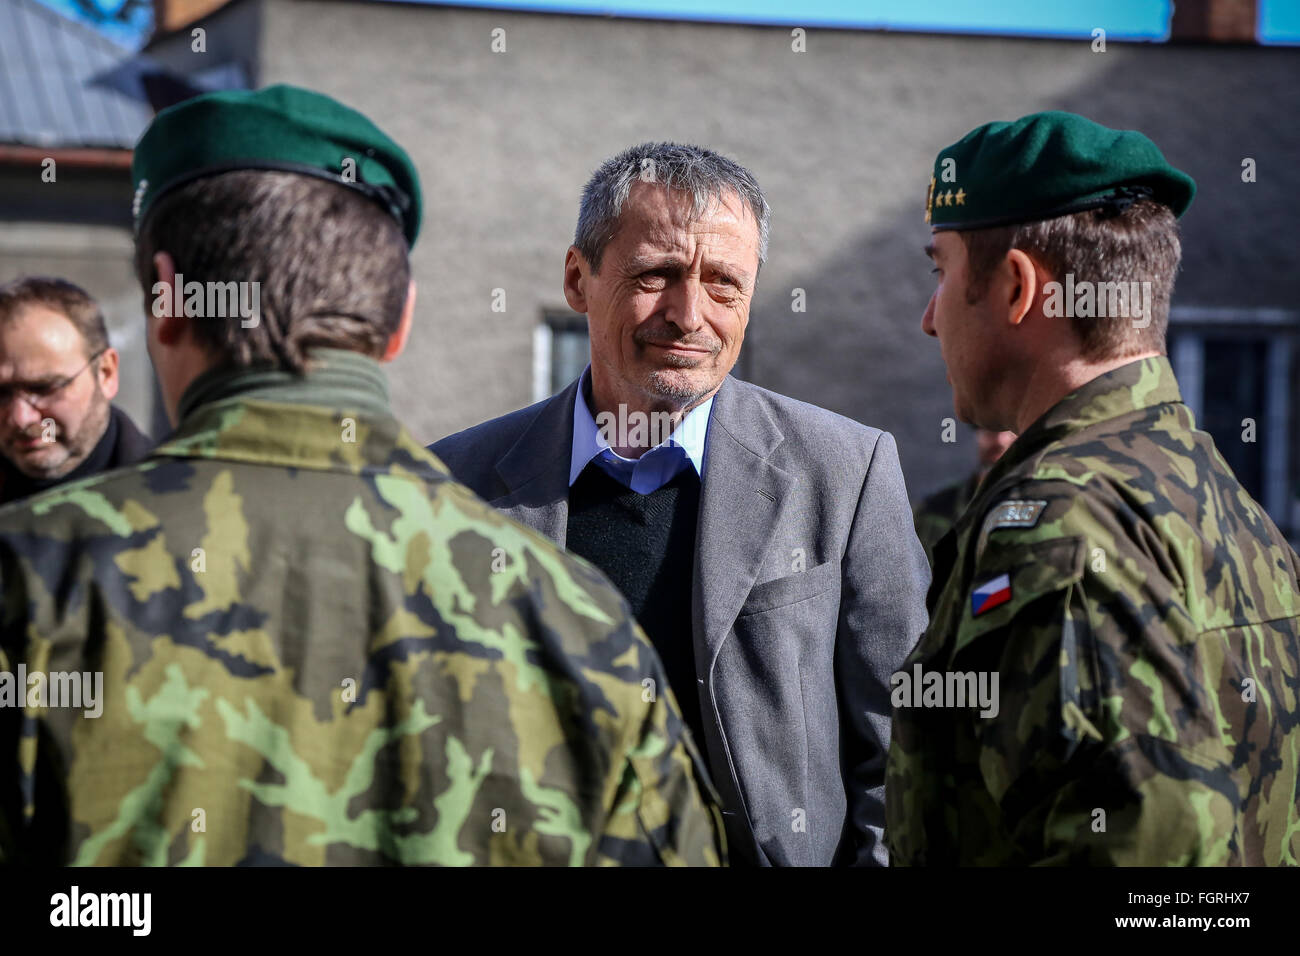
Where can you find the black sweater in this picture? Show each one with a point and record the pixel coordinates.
(645, 544)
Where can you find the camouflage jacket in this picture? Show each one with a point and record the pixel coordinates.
(937, 513)
(317, 648)
(1142, 616)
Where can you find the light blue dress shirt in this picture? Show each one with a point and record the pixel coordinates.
(659, 465)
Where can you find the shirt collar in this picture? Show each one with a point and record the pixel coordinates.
(689, 435)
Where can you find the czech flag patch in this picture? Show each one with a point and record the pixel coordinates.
(989, 595)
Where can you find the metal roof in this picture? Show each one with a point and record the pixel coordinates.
(52, 83)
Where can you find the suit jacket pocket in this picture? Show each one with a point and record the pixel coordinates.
(791, 589)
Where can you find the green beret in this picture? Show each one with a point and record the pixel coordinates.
(1046, 165)
(282, 128)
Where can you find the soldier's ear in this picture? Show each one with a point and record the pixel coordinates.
(397, 341)
(170, 328)
(1023, 286)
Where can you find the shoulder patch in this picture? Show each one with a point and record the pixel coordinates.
(1014, 513)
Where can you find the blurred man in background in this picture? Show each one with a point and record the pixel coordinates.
(58, 378)
(302, 625)
(937, 513)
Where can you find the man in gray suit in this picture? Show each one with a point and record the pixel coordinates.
(766, 545)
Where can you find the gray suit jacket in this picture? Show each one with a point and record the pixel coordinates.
(809, 591)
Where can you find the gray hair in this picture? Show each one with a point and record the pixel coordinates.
(707, 176)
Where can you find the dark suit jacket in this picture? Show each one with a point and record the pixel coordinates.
(809, 591)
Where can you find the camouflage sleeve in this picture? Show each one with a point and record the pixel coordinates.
(666, 811)
(1099, 751)
(656, 805)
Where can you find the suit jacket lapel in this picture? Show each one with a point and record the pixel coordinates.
(535, 471)
(740, 502)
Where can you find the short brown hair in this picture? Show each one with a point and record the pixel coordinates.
(1140, 244)
(331, 265)
(61, 296)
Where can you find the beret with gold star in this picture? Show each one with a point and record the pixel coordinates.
(281, 128)
(1046, 165)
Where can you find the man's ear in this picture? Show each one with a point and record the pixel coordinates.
(575, 280)
(170, 329)
(1024, 281)
(107, 373)
(397, 341)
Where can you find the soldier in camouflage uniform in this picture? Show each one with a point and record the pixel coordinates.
(315, 647)
(1140, 611)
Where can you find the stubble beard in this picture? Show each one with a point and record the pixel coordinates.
(77, 447)
(681, 390)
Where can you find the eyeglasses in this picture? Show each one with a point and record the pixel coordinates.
(41, 394)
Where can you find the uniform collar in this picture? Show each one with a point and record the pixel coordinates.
(335, 418)
(1144, 383)
(1141, 384)
(336, 378)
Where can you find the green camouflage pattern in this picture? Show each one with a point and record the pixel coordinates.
(937, 513)
(1148, 656)
(364, 664)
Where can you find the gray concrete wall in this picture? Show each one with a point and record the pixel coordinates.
(842, 138)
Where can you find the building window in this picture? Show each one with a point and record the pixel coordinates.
(561, 350)
(1235, 367)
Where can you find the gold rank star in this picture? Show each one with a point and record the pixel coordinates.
(961, 198)
(947, 198)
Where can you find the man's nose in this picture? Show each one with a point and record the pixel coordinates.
(927, 320)
(20, 414)
(684, 308)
